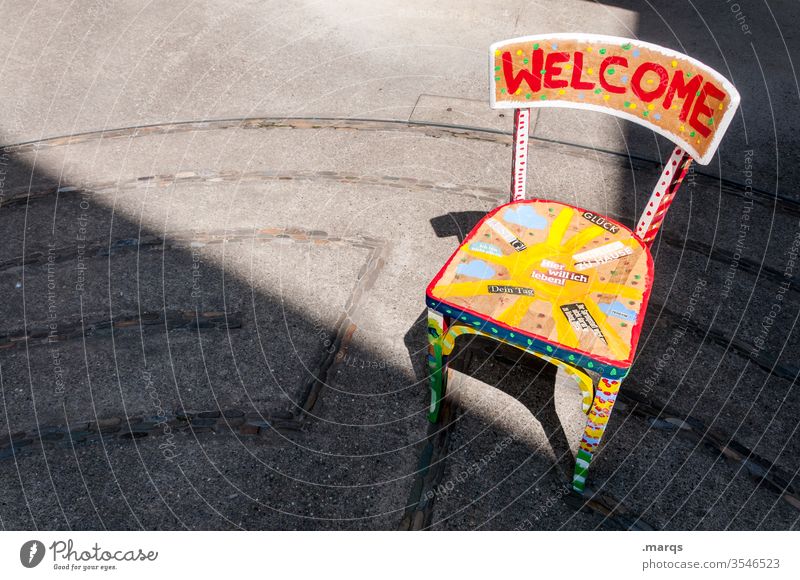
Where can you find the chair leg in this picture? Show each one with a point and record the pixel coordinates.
(437, 362)
(596, 422)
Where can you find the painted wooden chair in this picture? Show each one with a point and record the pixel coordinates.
(563, 283)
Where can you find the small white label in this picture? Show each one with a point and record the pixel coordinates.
(601, 255)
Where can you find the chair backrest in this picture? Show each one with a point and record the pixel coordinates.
(677, 96)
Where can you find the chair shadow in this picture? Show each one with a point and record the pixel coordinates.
(472, 352)
(456, 223)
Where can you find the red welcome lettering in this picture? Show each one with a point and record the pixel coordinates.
(533, 76)
(636, 81)
(576, 82)
(700, 108)
(608, 61)
(683, 90)
(552, 69)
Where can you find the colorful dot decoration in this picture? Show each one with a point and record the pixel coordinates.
(646, 109)
(524, 342)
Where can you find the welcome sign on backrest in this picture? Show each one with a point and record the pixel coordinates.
(671, 93)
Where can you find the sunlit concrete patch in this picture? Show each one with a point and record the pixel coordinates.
(600, 132)
(451, 110)
(373, 65)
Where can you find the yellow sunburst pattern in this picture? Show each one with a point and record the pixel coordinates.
(561, 273)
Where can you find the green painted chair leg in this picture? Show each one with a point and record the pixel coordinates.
(596, 422)
(437, 363)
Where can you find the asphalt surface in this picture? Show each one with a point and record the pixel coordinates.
(218, 222)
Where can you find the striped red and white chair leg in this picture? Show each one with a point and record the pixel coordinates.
(519, 160)
(656, 209)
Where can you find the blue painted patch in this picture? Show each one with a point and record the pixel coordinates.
(476, 269)
(624, 78)
(486, 248)
(524, 216)
(635, 53)
(657, 116)
(619, 310)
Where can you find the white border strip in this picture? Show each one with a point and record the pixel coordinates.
(593, 38)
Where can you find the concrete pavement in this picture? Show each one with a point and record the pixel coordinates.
(249, 292)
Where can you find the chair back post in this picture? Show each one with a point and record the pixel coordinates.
(672, 175)
(519, 160)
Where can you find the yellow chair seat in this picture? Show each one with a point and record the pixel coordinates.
(550, 275)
